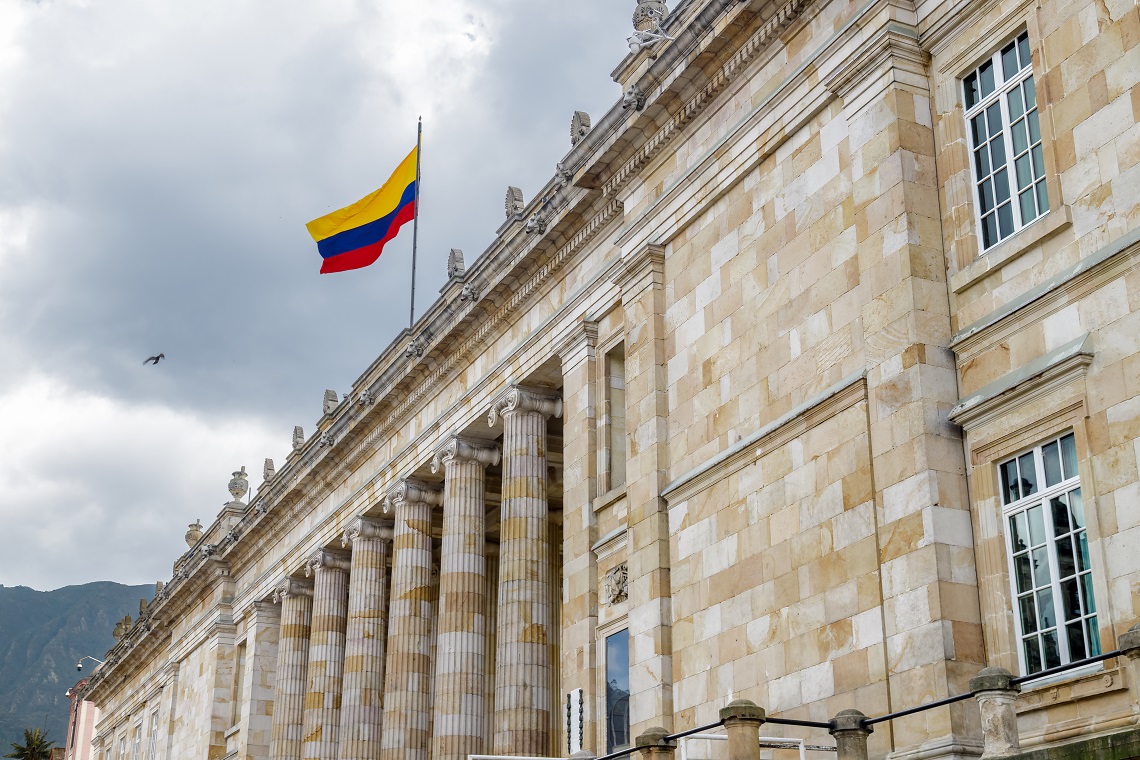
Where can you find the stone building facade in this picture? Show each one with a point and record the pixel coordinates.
(812, 377)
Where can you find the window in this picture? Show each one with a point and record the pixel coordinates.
(239, 678)
(153, 735)
(615, 444)
(1005, 142)
(136, 741)
(617, 690)
(122, 748)
(1050, 572)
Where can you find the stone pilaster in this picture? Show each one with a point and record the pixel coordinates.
(522, 690)
(296, 598)
(326, 654)
(650, 589)
(579, 526)
(262, 636)
(461, 640)
(361, 717)
(407, 701)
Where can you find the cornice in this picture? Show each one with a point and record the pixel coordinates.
(830, 402)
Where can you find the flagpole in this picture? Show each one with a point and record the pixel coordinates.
(416, 224)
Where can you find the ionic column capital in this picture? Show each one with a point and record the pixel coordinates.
(410, 490)
(291, 586)
(520, 398)
(326, 559)
(366, 527)
(462, 449)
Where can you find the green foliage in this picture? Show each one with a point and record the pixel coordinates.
(42, 635)
(36, 746)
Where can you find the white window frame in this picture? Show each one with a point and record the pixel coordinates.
(1002, 87)
(153, 749)
(1021, 506)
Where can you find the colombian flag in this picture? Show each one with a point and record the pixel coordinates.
(354, 236)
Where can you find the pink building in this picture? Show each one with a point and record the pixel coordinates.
(80, 724)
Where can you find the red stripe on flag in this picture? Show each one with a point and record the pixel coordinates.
(366, 255)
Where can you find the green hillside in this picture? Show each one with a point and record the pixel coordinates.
(42, 635)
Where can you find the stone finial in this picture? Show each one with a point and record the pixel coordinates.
(298, 438)
(194, 534)
(579, 126)
(514, 203)
(649, 15)
(332, 400)
(455, 267)
(117, 632)
(158, 588)
(142, 607)
(267, 470)
(239, 484)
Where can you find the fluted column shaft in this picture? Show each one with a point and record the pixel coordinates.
(326, 654)
(461, 643)
(296, 599)
(361, 716)
(407, 700)
(522, 687)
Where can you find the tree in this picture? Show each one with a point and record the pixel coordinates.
(35, 747)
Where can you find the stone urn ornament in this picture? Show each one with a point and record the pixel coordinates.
(194, 535)
(239, 484)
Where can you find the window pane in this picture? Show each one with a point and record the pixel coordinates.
(1009, 64)
(1016, 104)
(982, 161)
(1023, 174)
(1009, 485)
(1052, 652)
(1065, 564)
(1027, 210)
(993, 118)
(1082, 552)
(1032, 655)
(1017, 530)
(1046, 615)
(1034, 127)
(1059, 507)
(1023, 50)
(997, 153)
(1069, 456)
(1076, 634)
(1038, 161)
(1023, 572)
(970, 84)
(1040, 568)
(1030, 93)
(1001, 186)
(1028, 614)
(1042, 198)
(1090, 600)
(1094, 636)
(617, 690)
(986, 77)
(1028, 474)
(1036, 526)
(1020, 137)
(1076, 507)
(1005, 218)
(987, 195)
(1051, 452)
(1070, 599)
(989, 230)
(978, 129)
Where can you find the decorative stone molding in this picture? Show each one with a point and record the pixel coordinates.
(414, 350)
(412, 490)
(633, 98)
(460, 448)
(298, 438)
(326, 439)
(894, 50)
(366, 527)
(521, 398)
(331, 402)
(616, 587)
(579, 126)
(291, 586)
(470, 292)
(326, 559)
(365, 399)
(563, 176)
(536, 225)
(513, 204)
(649, 15)
(455, 267)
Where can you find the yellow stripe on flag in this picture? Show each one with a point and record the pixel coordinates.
(369, 208)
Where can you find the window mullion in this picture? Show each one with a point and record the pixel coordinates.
(1011, 174)
(1054, 571)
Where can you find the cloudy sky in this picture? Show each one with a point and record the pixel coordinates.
(158, 162)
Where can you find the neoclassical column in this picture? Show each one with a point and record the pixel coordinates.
(296, 598)
(361, 716)
(522, 688)
(461, 641)
(407, 700)
(326, 654)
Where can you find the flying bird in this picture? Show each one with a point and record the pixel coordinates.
(154, 359)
